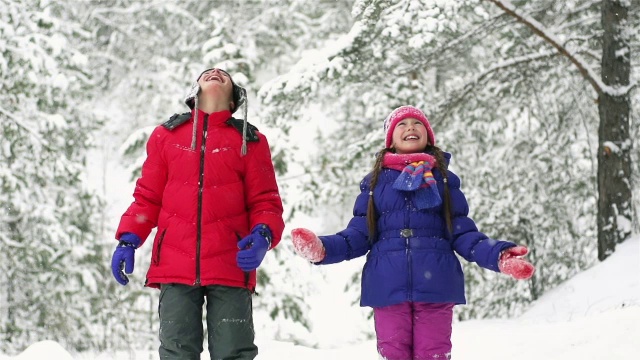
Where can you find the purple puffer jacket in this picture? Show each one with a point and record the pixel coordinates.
(411, 258)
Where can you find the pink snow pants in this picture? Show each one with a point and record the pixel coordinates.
(414, 331)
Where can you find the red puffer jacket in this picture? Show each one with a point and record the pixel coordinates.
(203, 202)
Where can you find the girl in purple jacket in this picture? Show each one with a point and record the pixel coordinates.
(410, 219)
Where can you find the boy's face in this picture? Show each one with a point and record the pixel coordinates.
(216, 82)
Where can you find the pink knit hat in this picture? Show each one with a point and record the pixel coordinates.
(404, 112)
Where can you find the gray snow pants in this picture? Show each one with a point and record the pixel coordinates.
(229, 322)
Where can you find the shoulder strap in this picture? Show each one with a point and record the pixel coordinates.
(251, 130)
(176, 120)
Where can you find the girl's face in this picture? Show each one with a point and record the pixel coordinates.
(409, 136)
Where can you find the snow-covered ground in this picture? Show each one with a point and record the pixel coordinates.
(595, 315)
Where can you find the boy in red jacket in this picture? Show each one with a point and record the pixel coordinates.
(208, 185)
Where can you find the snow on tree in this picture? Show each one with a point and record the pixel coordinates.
(151, 53)
(48, 216)
(520, 120)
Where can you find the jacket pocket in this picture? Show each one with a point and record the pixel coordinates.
(155, 260)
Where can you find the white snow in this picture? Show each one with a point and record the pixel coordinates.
(595, 315)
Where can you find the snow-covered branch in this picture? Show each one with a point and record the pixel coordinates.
(462, 93)
(551, 38)
(19, 122)
(329, 61)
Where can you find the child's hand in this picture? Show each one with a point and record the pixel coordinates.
(253, 248)
(124, 257)
(308, 245)
(512, 264)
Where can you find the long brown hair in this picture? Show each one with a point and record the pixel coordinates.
(441, 164)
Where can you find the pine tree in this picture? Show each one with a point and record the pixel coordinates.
(520, 120)
(47, 225)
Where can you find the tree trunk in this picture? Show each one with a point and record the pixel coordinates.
(614, 106)
(614, 151)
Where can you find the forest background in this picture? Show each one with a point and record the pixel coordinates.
(537, 101)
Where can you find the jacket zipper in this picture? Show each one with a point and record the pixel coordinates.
(408, 251)
(156, 260)
(200, 188)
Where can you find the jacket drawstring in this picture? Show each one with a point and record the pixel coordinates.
(244, 123)
(195, 125)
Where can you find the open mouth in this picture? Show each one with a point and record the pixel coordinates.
(411, 137)
(213, 78)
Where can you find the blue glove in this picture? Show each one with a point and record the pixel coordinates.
(254, 247)
(123, 258)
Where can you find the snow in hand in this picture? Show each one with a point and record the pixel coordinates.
(307, 244)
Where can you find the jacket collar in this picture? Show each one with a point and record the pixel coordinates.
(215, 118)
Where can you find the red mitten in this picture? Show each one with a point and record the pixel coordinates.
(307, 244)
(511, 263)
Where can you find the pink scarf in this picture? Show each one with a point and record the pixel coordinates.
(415, 176)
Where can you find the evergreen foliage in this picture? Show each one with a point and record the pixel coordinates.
(519, 119)
(48, 216)
(152, 52)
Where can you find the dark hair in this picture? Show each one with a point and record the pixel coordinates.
(238, 93)
(441, 164)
